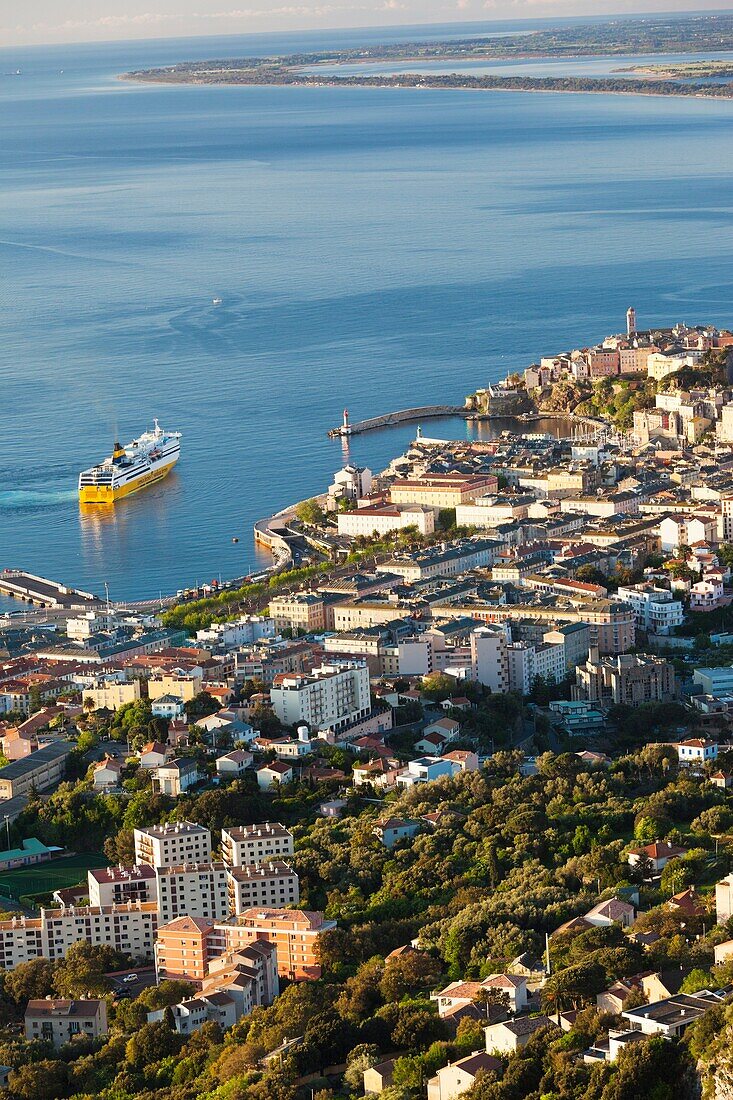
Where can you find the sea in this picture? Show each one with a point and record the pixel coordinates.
(372, 249)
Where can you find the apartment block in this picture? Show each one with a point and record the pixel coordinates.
(111, 693)
(273, 884)
(330, 697)
(185, 947)
(489, 658)
(299, 611)
(129, 928)
(295, 934)
(656, 610)
(118, 885)
(248, 845)
(627, 679)
(173, 844)
(183, 685)
(194, 890)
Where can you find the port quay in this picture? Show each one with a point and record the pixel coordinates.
(273, 533)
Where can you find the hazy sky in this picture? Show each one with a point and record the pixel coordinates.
(29, 22)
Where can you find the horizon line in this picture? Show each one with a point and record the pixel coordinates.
(631, 17)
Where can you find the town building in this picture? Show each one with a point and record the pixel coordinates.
(175, 777)
(42, 769)
(331, 697)
(248, 845)
(63, 1021)
(627, 679)
(489, 658)
(457, 1077)
(193, 890)
(656, 610)
(442, 490)
(272, 884)
(172, 844)
(295, 934)
(380, 519)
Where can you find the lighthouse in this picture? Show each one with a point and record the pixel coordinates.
(631, 322)
(346, 427)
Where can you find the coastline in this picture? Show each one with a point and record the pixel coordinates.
(690, 92)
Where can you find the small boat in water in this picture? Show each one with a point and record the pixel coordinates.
(216, 301)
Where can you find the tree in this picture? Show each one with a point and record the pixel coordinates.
(361, 1058)
(310, 512)
(569, 988)
(408, 973)
(488, 998)
(658, 1068)
(152, 1043)
(30, 980)
(643, 869)
(45, 1080)
(82, 971)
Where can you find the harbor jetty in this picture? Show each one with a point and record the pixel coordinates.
(387, 420)
(39, 590)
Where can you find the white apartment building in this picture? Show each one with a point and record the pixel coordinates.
(489, 658)
(130, 928)
(192, 890)
(331, 697)
(243, 631)
(526, 662)
(248, 845)
(172, 844)
(655, 609)
(82, 627)
(118, 885)
(272, 885)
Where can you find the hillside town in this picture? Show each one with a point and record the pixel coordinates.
(443, 807)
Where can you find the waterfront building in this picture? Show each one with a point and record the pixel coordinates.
(442, 490)
(380, 519)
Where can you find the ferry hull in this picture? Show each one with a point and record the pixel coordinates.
(106, 495)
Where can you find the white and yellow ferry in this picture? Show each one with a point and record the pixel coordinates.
(143, 461)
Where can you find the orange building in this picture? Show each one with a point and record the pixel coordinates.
(184, 947)
(293, 931)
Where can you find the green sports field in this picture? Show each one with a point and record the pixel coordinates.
(44, 878)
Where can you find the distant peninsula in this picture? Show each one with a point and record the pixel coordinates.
(695, 34)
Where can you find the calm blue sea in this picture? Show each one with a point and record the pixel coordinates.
(373, 248)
